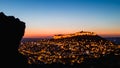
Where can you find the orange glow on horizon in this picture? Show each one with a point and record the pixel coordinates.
(43, 34)
(33, 33)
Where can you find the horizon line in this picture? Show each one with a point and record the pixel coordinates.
(52, 36)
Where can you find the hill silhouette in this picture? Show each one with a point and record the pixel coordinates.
(11, 32)
(89, 38)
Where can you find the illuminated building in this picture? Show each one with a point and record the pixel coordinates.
(74, 34)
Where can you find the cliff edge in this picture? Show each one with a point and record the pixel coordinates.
(11, 32)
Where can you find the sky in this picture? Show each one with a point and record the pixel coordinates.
(45, 18)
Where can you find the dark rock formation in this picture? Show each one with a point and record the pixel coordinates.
(11, 33)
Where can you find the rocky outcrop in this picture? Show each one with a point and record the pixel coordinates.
(11, 32)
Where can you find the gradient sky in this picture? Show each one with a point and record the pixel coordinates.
(49, 17)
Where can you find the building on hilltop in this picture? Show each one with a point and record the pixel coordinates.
(74, 34)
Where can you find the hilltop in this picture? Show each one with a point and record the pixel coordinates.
(81, 33)
(82, 36)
